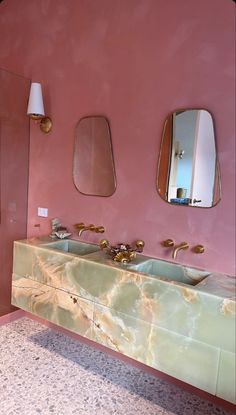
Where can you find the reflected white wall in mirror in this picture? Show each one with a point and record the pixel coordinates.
(93, 166)
(188, 171)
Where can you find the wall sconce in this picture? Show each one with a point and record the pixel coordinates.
(36, 109)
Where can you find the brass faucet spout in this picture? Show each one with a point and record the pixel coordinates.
(177, 248)
(81, 227)
(82, 230)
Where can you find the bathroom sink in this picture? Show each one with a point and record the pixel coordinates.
(172, 272)
(73, 247)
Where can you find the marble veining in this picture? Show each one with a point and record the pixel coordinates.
(187, 332)
(45, 372)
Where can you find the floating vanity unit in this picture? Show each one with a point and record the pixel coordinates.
(176, 319)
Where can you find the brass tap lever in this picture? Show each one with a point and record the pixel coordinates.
(100, 229)
(168, 243)
(198, 249)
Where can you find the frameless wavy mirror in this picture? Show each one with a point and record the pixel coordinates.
(93, 167)
(188, 170)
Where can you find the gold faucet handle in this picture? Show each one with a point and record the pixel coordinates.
(80, 225)
(198, 249)
(168, 243)
(104, 243)
(140, 245)
(100, 229)
(91, 227)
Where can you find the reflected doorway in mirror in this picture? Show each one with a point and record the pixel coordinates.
(188, 169)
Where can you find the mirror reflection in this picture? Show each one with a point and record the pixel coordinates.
(188, 171)
(93, 167)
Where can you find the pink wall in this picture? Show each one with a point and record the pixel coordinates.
(14, 160)
(133, 61)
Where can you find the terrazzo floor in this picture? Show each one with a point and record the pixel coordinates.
(46, 372)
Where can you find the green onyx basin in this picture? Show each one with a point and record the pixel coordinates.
(73, 247)
(171, 272)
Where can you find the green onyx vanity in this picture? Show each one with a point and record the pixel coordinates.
(176, 319)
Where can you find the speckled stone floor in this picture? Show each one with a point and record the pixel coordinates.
(46, 372)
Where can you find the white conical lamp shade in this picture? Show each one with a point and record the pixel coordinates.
(35, 105)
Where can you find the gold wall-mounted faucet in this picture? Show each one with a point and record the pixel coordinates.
(81, 227)
(169, 243)
(177, 248)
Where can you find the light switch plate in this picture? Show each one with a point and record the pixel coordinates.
(43, 212)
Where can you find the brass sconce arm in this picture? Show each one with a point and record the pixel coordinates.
(36, 108)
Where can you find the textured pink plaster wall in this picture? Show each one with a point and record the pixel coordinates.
(14, 159)
(133, 61)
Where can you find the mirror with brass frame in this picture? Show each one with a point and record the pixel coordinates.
(188, 169)
(93, 165)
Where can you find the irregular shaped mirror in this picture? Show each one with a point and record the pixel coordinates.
(93, 167)
(188, 171)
